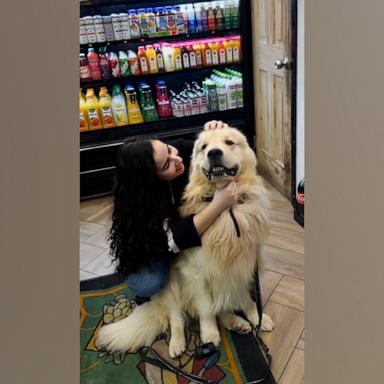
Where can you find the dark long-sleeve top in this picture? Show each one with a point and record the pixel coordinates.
(181, 232)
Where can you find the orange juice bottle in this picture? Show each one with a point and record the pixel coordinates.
(206, 54)
(105, 104)
(152, 59)
(143, 63)
(228, 51)
(214, 52)
(92, 110)
(221, 50)
(199, 57)
(177, 56)
(84, 125)
(236, 47)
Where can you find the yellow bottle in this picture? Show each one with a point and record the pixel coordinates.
(228, 51)
(84, 125)
(105, 104)
(134, 113)
(236, 47)
(92, 110)
(152, 59)
(177, 56)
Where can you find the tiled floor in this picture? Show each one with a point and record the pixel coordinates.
(282, 283)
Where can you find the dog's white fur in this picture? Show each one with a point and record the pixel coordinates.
(214, 280)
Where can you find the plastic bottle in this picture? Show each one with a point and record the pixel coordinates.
(211, 19)
(228, 51)
(221, 51)
(171, 20)
(99, 28)
(214, 52)
(104, 63)
(203, 102)
(84, 125)
(114, 64)
(180, 30)
(134, 24)
(206, 54)
(197, 8)
(159, 58)
(227, 15)
(204, 17)
(134, 112)
(231, 92)
(119, 107)
(143, 63)
(151, 22)
(133, 63)
(83, 31)
(143, 23)
(197, 49)
(177, 56)
(85, 71)
(185, 56)
(192, 56)
(184, 12)
(221, 96)
(219, 15)
(94, 66)
(147, 104)
(125, 28)
(235, 17)
(164, 108)
(108, 28)
(117, 31)
(169, 57)
(92, 110)
(151, 59)
(124, 64)
(161, 21)
(105, 104)
(236, 47)
(210, 88)
(90, 27)
(191, 18)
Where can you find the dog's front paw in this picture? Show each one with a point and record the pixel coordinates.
(176, 346)
(209, 336)
(267, 323)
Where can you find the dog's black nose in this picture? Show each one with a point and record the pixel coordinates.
(215, 154)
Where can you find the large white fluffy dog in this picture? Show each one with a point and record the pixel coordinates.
(212, 281)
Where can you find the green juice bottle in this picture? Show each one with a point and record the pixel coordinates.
(146, 101)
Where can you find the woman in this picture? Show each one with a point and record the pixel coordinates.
(146, 229)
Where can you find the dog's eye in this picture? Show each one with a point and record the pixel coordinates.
(203, 147)
(229, 142)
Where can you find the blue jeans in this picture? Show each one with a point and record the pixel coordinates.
(148, 280)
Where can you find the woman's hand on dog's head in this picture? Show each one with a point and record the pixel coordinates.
(214, 124)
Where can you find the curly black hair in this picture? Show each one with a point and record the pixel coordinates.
(140, 206)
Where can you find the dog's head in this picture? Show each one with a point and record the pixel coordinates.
(222, 154)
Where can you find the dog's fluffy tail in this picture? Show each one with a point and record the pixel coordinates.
(139, 328)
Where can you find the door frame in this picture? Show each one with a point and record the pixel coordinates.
(298, 211)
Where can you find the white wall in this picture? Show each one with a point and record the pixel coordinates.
(300, 93)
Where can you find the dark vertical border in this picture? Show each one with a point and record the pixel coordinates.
(298, 216)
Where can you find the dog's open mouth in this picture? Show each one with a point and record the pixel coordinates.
(218, 171)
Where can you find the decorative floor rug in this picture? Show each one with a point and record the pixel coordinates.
(106, 299)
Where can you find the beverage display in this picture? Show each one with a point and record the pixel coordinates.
(171, 20)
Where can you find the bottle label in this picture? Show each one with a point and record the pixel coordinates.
(115, 68)
(215, 57)
(222, 55)
(85, 72)
(187, 109)
(151, 24)
(179, 110)
(195, 110)
(124, 67)
(180, 24)
(135, 28)
(199, 60)
(236, 54)
(107, 116)
(208, 57)
(93, 118)
(162, 23)
(117, 30)
(185, 60)
(192, 59)
(134, 64)
(83, 123)
(229, 55)
(152, 64)
(203, 104)
(160, 61)
(125, 30)
(178, 62)
(143, 64)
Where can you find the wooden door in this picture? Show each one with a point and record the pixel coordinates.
(271, 42)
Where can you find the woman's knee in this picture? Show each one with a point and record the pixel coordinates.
(147, 283)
